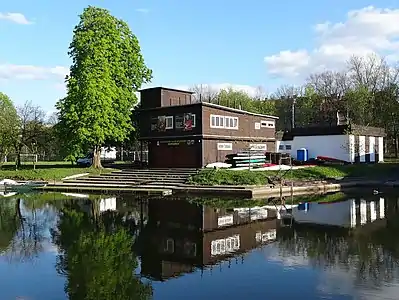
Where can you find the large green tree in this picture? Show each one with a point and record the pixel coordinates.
(107, 69)
(9, 124)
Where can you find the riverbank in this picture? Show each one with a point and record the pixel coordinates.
(315, 175)
(48, 171)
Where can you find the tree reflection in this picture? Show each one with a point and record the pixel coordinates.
(96, 254)
(9, 223)
(372, 255)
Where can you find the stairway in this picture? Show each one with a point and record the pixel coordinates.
(145, 178)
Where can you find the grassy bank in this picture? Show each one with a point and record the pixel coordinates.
(239, 203)
(46, 171)
(246, 177)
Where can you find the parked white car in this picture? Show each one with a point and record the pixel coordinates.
(107, 154)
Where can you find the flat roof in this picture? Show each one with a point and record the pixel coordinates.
(164, 88)
(236, 110)
(217, 106)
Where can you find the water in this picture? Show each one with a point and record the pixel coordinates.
(55, 246)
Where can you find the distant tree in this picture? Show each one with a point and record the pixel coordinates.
(108, 68)
(31, 129)
(9, 124)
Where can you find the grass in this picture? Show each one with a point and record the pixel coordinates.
(47, 171)
(212, 177)
(237, 203)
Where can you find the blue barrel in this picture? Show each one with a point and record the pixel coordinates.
(302, 154)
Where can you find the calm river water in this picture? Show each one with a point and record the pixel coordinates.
(69, 246)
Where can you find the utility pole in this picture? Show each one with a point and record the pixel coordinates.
(293, 98)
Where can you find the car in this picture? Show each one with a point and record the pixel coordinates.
(86, 161)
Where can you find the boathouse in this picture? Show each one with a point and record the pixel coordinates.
(181, 132)
(350, 143)
(181, 236)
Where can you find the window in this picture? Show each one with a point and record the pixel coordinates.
(189, 121)
(169, 122)
(217, 121)
(224, 122)
(287, 147)
(225, 246)
(179, 121)
(281, 147)
(231, 122)
(257, 125)
(169, 246)
(267, 124)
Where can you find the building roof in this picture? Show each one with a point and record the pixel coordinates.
(217, 106)
(289, 135)
(164, 88)
(236, 110)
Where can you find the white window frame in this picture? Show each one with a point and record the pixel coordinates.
(214, 118)
(166, 122)
(234, 120)
(267, 124)
(224, 122)
(194, 120)
(169, 245)
(288, 145)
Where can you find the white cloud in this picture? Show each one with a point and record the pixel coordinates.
(143, 10)
(31, 72)
(367, 30)
(15, 18)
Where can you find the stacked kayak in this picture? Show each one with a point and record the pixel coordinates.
(246, 159)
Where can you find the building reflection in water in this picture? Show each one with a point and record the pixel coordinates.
(181, 236)
(349, 214)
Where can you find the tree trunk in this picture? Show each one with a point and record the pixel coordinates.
(97, 158)
(18, 160)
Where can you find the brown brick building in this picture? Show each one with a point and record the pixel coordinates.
(181, 236)
(183, 133)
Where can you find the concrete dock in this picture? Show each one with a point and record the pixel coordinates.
(165, 182)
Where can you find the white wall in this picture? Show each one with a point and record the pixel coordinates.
(362, 148)
(372, 148)
(336, 146)
(380, 149)
(343, 214)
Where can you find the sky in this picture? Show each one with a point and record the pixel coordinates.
(240, 44)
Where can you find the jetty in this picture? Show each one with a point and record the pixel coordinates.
(164, 182)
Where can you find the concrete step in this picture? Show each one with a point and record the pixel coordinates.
(131, 182)
(151, 173)
(163, 170)
(116, 175)
(137, 179)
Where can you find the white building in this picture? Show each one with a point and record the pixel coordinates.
(350, 143)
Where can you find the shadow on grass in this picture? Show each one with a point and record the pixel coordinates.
(41, 166)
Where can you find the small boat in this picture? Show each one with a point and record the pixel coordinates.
(15, 186)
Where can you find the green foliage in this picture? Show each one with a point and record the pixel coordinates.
(9, 124)
(108, 68)
(246, 177)
(9, 222)
(236, 203)
(97, 258)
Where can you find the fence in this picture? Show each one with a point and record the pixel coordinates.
(133, 156)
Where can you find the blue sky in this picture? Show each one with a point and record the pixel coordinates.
(191, 42)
